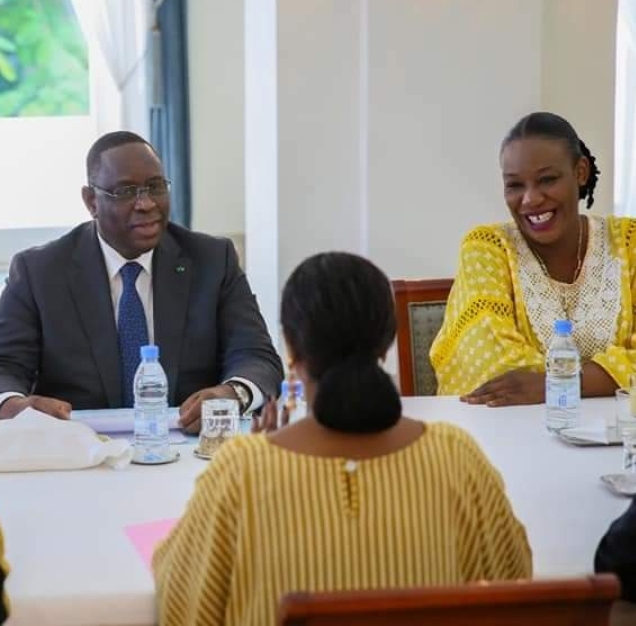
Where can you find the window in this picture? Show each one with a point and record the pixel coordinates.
(58, 92)
(625, 111)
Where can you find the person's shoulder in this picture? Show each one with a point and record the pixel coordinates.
(614, 220)
(466, 456)
(621, 230)
(61, 246)
(456, 440)
(626, 225)
(493, 233)
(192, 239)
(204, 250)
(496, 238)
(235, 455)
(448, 432)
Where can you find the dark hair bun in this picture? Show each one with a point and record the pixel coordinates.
(357, 396)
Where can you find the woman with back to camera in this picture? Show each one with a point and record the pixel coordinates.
(550, 262)
(354, 496)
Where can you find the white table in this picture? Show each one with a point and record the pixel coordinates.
(554, 488)
(73, 565)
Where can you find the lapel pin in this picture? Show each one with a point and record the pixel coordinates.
(179, 269)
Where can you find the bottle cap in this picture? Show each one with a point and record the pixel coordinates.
(563, 327)
(295, 385)
(149, 352)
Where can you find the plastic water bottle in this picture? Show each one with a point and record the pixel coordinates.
(292, 395)
(152, 434)
(563, 379)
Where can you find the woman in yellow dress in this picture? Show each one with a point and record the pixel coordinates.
(550, 262)
(354, 496)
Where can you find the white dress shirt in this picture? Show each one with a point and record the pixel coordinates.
(114, 262)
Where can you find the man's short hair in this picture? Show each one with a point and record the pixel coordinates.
(106, 142)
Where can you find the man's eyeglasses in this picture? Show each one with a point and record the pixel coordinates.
(128, 193)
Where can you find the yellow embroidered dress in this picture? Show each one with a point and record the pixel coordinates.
(502, 306)
(264, 521)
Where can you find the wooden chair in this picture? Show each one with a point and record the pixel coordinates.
(570, 602)
(419, 307)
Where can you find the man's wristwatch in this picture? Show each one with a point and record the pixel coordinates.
(243, 393)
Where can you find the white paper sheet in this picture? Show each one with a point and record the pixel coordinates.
(175, 437)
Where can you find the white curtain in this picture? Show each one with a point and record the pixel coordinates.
(121, 29)
(625, 110)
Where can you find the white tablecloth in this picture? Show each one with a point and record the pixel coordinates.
(554, 487)
(73, 565)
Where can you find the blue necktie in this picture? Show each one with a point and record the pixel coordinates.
(131, 328)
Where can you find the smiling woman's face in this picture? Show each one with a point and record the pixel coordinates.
(541, 187)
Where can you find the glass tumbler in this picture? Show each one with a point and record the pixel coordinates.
(220, 420)
(624, 417)
(629, 450)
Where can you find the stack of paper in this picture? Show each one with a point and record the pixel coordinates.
(116, 422)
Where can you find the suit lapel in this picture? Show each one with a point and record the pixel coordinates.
(90, 289)
(171, 276)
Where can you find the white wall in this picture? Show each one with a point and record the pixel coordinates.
(390, 116)
(577, 71)
(319, 128)
(215, 58)
(446, 81)
(261, 157)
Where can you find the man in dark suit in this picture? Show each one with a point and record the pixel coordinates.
(617, 552)
(61, 313)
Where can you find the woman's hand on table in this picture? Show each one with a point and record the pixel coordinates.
(514, 387)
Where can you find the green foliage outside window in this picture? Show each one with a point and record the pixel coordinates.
(43, 59)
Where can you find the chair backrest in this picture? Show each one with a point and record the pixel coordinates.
(419, 307)
(567, 602)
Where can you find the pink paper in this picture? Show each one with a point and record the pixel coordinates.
(146, 536)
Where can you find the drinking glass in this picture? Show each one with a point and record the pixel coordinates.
(629, 451)
(624, 417)
(220, 420)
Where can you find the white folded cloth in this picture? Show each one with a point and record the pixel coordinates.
(34, 441)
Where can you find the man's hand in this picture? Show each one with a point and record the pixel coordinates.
(190, 410)
(269, 419)
(54, 407)
(514, 387)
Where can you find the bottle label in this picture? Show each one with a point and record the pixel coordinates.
(563, 393)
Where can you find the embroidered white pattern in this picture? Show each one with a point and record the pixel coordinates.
(593, 300)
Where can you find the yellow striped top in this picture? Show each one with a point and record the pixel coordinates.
(264, 521)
